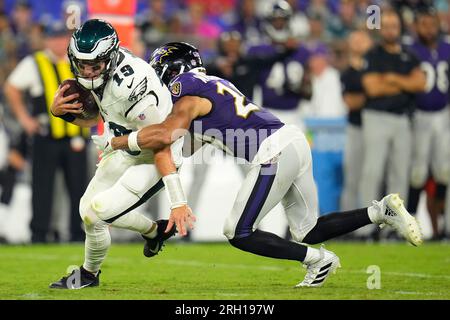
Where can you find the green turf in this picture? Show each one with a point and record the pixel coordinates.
(219, 271)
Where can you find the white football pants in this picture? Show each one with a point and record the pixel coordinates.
(121, 183)
(289, 181)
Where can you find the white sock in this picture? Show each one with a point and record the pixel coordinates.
(96, 246)
(312, 255)
(138, 222)
(373, 214)
(152, 232)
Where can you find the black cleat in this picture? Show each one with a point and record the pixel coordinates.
(78, 279)
(153, 246)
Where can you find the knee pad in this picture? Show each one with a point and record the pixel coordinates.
(228, 230)
(113, 201)
(101, 205)
(86, 213)
(418, 177)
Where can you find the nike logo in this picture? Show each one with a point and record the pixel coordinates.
(156, 250)
(131, 84)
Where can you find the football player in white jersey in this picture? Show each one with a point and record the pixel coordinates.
(130, 96)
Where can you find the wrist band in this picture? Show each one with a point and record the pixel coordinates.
(174, 190)
(132, 141)
(66, 117)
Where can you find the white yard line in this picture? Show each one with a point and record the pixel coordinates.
(195, 263)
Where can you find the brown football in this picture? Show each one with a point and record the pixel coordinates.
(90, 107)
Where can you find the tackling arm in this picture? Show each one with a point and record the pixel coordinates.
(160, 135)
(181, 215)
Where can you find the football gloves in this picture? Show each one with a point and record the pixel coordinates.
(103, 142)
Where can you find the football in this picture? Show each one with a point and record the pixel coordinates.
(90, 107)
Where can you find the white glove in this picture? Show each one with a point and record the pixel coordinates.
(103, 142)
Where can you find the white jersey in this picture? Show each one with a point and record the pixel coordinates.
(134, 97)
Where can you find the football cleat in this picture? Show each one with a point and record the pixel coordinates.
(392, 212)
(318, 272)
(77, 279)
(154, 245)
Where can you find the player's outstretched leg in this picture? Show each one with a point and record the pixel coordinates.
(319, 263)
(391, 211)
(153, 245)
(318, 269)
(77, 279)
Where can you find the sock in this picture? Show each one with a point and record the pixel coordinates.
(270, 245)
(152, 232)
(336, 224)
(373, 214)
(441, 191)
(413, 199)
(135, 221)
(312, 255)
(96, 246)
(93, 273)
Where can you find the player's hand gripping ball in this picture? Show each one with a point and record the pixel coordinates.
(90, 107)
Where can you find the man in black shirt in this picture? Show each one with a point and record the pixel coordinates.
(391, 77)
(241, 69)
(354, 97)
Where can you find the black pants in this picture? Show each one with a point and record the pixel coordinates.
(47, 156)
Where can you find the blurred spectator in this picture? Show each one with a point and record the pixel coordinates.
(26, 33)
(199, 29)
(339, 26)
(3, 142)
(16, 154)
(248, 23)
(8, 54)
(299, 22)
(354, 97)
(153, 25)
(442, 7)
(285, 83)
(431, 129)
(325, 78)
(390, 78)
(317, 31)
(55, 143)
(319, 9)
(406, 9)
(244, 70)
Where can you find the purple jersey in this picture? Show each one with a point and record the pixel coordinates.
(435, 64)
(234, 123)
(280, 83)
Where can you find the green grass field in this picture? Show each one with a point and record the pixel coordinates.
(219, 271)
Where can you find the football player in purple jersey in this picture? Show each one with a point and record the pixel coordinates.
(212, 110)
(431, 129)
